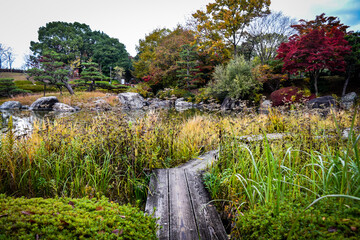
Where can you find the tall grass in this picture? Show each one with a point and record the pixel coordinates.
(100, 154)
(312, 162)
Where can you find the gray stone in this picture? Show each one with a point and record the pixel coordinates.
(348, 100)
(265, 107)
(11, 105)
(181, 104)
(157, 103)
(232, 104)
(101, 105)
(44, 103)
(62, 107)
(321, 102)
(131, 100)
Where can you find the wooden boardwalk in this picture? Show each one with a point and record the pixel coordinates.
(178, 198)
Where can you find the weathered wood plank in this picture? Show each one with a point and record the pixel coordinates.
(158, 201)
(182, 221)
(202, 162)
(208, 220)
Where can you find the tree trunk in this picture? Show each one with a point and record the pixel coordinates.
(346, 81)
(69, 88)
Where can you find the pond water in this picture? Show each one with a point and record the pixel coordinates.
(23, 120)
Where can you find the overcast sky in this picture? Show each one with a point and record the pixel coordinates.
(130, 20)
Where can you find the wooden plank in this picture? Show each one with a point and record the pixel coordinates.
(201, 162)
(157, 202)
(182, 221)
(208, 220)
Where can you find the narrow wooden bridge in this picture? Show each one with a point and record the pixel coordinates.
(178, 198)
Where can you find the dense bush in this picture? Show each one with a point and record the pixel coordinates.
(37, 87)
(143, 89)
(321, 222)
(8, 88)
(290, 95)
(177, 92)
(234, 80)
(65, 218)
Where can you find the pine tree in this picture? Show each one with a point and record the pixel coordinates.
(90, 75)
(187, 71)
(8, 88)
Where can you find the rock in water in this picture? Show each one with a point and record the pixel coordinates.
(11, 105)
(131, 100)
(62, 107)
(44, 103)
(181, 104)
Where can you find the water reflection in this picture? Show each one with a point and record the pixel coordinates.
(23, 120)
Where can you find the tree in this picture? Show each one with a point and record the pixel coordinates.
(76, 42)
(321, 22)
(3, 52)
(187, 71)
(266, 33)
(353, 59)
(146, 50)
(8, 88)
(229, 19)
(90, 75)
(314, 52)
(10, 58)
(52, 72)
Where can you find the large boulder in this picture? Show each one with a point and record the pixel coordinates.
(131, 100)
(289, 95)
(11, 105)
(232, 104)
(265, 107)
(348, 100)
(44, 103)
(101, 105)
(321, 102)
(157, 103)
(62, 107)
(181, 104)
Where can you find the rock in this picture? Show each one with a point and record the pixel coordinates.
(232, 104)
(44, 103)
(181, 104)
(11, 105)
(321, 102)
(265, 107)
(101, 105)
(348, 100)
(62, 107)
(131, 100)
(157, 103)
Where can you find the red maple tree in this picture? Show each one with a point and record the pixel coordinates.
(314, 51)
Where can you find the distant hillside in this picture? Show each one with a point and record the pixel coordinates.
(14, 75)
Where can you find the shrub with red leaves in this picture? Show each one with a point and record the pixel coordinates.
(289, 95)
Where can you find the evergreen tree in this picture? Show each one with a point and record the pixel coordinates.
(90, 75)
(187, 71)
(8, 88)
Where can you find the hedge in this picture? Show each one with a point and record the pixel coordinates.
(65, 218)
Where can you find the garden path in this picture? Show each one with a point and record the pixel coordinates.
(178, 199)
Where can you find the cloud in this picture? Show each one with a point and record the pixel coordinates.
(349, 14)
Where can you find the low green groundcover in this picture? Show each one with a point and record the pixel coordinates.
(65, 218)
(290, 221)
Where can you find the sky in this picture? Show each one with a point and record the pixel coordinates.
(131, 20)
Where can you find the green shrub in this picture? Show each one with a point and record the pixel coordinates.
(322, 222)
(37, 87)
(143, 89)
(234, 80)
(177, 92)
(66, 218)
(8, 88)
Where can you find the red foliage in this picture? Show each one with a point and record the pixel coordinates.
(146, 78)
(289, 95)
(314, 52)
(320, 23)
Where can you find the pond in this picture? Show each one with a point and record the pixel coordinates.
(23, 120)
